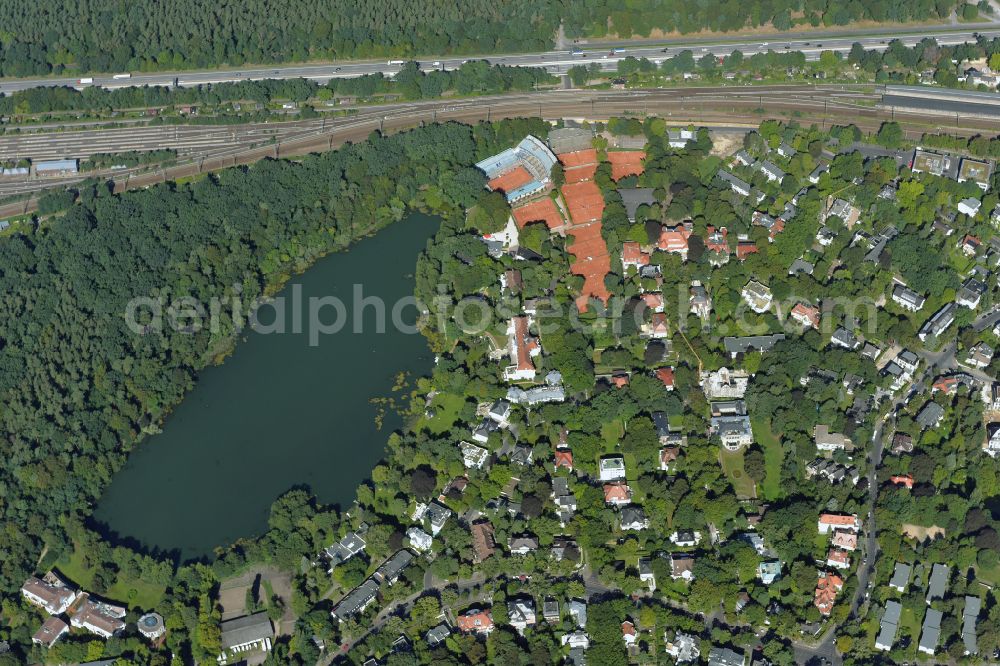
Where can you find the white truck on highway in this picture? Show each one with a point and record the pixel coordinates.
(122, 76)
(86, 80)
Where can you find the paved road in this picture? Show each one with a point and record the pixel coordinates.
(557, 62)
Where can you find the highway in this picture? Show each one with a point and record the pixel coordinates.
(556, 61)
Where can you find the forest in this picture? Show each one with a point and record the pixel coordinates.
(39, 38)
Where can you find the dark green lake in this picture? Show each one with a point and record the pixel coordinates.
(278, 413)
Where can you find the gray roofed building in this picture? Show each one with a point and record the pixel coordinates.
(738, 185)
(970, 615)
(900, 577)
(743, 157)
(930, 417)
(750, 343)
(877, 244)
(634, 518)
(771, 171)
(785, 150)
(247, 632)
(356, 600)
(577, 610)
(930, 634)
(570, 139)
(801, 266)
(680, 138)
(437, 635)
(720, 656)
(735, 432)
(55, 167)
(971, 293)
(937, 584)
(550, 610)
(438, 514)
(907, 298)
(521, 613)
(889, 626)
(844, 338)
(938, 323)
(817, 172)
(536, 395)
(634, 197)
(349, 546)
(390, 570)
(522, 544)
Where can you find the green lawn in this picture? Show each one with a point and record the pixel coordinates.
(131, 592)
(773, 457)
(611, 433)
(446, 407)
(732, 467)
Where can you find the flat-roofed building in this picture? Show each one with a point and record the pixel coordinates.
(976, 171)
(970, 616)
(930, 633)
(247, 634)
(889, 625)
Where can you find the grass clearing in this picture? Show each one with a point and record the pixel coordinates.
(447, 407)
(774, 454)
(732, 467)
(132, 592)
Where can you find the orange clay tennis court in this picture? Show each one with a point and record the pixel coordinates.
(590, 260)
(626, 163)
(580, 165)
(590, 252)
(511, 180)
(540, 210)
(584, 201)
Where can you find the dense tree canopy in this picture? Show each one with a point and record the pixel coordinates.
(104, 35)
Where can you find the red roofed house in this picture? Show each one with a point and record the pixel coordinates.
(776, 228)
(745, 248)
(832, 521)
(666, 375)
(948, 385)
(675, 240)
(970, 245)
(826, 592)
(715, 241)
(477, 621)
(632, 255)
(668, 455)
(807, 315)
(845, 540)
(904, 480)
(617, 493)
(657, 326)
(838, 558)
(653, 301)
(619, 380)
(51, 631)
(564, 458)
(522, 346)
